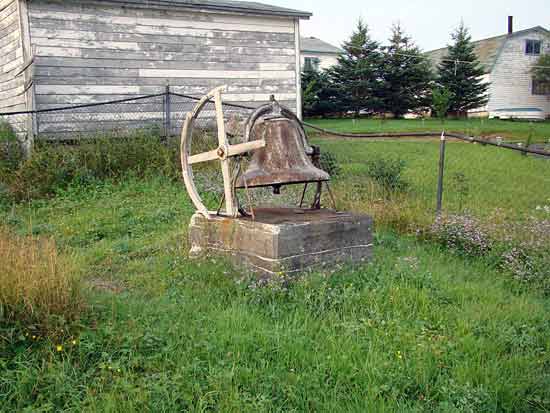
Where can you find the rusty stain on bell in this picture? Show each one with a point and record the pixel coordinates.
(283, 160)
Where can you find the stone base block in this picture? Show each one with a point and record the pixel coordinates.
(284, 239)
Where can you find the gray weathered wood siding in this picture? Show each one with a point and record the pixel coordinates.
(12, 83)
(86, 51)
(511, 80)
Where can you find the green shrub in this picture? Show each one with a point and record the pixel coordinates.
(6, 132)
(11, 156)
(461, 233)
(387, 172)
(460, 186)
(441, 101)
(518, 248)
(524, 251)
(54, 167)
(330, 164)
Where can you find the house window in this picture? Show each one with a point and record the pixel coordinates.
(533, 47)
(540, 88)
(311, 64)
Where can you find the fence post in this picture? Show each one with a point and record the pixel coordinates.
(440, 175)
(167, 112)
(32, 133)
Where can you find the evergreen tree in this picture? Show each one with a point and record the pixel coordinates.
(318, 96)
(541, 69)
(406, 76)
(356, 75)
(460, 72)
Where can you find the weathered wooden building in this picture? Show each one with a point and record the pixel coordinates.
(508, 60)
(66, 52)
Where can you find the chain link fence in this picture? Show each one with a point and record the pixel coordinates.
(161, 114)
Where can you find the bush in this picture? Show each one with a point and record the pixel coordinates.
(11, 155)
(329, 164)
(460, 186)
(461, 233)
(525, 252)
(441, 101)
(54, 167)
(11, 152)
(6, 132)
(39, 290)
(518, 248)
(387, 172)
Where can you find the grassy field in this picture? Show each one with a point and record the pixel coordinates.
(481, 180)
(512, 130)
(419, 329)
(415, 330)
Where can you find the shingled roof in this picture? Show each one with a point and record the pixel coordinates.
(487, 50)
(314, 45)
(224, 5)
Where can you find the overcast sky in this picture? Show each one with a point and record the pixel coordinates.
(429, 22)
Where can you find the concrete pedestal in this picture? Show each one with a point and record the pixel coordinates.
(284, 239)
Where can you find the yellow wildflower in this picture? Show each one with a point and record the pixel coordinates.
(59, 347)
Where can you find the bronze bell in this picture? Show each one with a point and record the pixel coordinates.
(283, 160)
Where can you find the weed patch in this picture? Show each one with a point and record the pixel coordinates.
(40, 291)
(387, 172)
(52, 168)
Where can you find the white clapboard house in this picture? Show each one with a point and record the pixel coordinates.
(318, 54)
(508, 60)
(55, 53)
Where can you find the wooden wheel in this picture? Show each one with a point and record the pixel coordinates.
(222, 153)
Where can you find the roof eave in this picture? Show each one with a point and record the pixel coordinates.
(226, 8)
(519, 32)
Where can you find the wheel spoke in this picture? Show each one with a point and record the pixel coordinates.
(223, 153)
(226, 171)
(203, 157)
(245, 147)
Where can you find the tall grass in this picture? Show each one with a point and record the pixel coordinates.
(39, 288)
(52, 168)
(417, 329)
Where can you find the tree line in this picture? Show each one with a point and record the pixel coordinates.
(397, 78)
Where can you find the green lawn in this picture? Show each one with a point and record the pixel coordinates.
(512, 130)
(418, 329)
(494, 181)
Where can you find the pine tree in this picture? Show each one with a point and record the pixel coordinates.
(406, 75)
(356, 75)
(460, 72)
(318, 96)
(541, 69)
